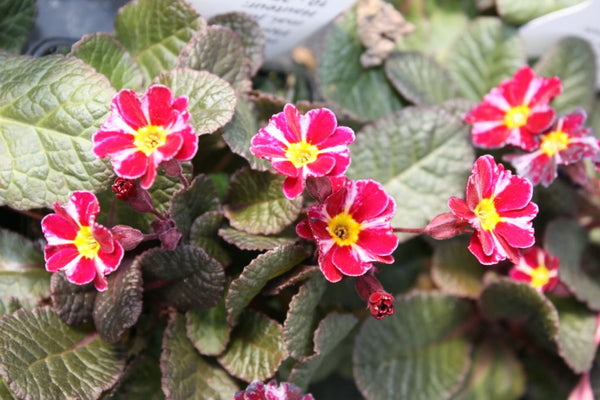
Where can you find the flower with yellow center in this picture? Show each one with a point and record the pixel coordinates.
(487, 214)
(149, 138)
(540, 277)
(344, 229)
(554, 142)
(516, 117)
(85, 242)
(301, 153)
(537, 268)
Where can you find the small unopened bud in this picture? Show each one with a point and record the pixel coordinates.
(321, 187)
(446, 226)
(379, 302)
(141, 202)
(126, 235)
(124, 188)
(172, 167)
(170, 238)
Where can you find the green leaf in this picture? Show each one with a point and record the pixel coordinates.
(211, 99)
(190, 277)
(219, 50)
(255, 276)
(248, 241)
(574, 62)
(250, 34)
(155, 32)
(421, 156)
(140, 382)
(42, 357)
(419, 78)
(256, 349)
(301, 319)
(548, 378)
(18, 253)
(16, 21)
(455, 270)
(187, 205)
(51, 106)
(364, 93)
(120, 306)
(567, 240)
(484, 55)
(185, 373)
(519, 12)
(109, 57)
(73, 303)
(414, 354)
(208, 329)
(256, 203)
(522, 303)
(203, 233)
(5, 392)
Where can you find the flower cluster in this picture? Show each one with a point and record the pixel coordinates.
(536, 267)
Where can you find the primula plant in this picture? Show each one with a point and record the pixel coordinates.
(410, 212)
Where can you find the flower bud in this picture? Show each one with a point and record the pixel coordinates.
(446, 226)
(124, 188)
(126, 235)
(379, 302)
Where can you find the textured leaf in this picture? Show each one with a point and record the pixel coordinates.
(42, 358)
(16, 21)
(203, 233)
(219, 50)
(421, 156)
(208, 329)
(255, 275)
(140, 382)
(155, 32)
(413, 354)
(256, 203)
(256, 349)
(567, 240)
(419, 78)
(248, 241)
(548, 378)
(185, 373)
(109, 57)
(73, 303)
(520, 302)
(455, 270)
(574, 62)
(51, 106)
(332, 329)
(519, 12)
(18, 253)
(187, 205)
(301, 319)
(249, 32)
(5, 393)
(483, 56)
(120, 306)
(189, 278)
(365, 93)
(211, 99)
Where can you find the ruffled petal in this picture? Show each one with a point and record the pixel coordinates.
(82, 272)
(189, 148)
(460, 209)
(380, 242)
(110, 261)
(157, 105)
(321, 124)
(348, 262)
(171, 147)
(293, 187)
(321, 166)
(59, 257)
(58, 229)
(477, 250)
(371, 200)
(517, 194)
(286, 168)
(303, 230)
(132, 166)
(330, 271)
(147, 179)
(515, 236)
(129, 108)
(113, 145)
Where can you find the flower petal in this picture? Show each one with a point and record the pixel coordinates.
(81, 272)
(189, 148)
(321, 125)
(330, 271)
(303, 230)
(132, 166)
(59, 257)
(381, 242)
(348, 262)
(129, 108)
(293, 187)
(515, 236)
(58, 229)
(517, 194)
(156, 104)
(322, 165)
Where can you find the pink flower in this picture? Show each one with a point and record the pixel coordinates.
(140, 134)
(84, 249)
(352, 228)
(536, 267)
(499, 208)
(567, 142)
(514, 112)
(271, 391)
(300, 146)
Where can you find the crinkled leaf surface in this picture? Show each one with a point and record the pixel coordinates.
(18, 253)
(211, 99)
(191, 278)
(419, 78)
(421, 156)
(256, 203)
(140, 382)
(185, 373)
(219, 50)
(413, 353)
(548, 378)
(109, 57)
(50, 108)
(155, 32)
(203, 233)
(73, 303)
(5, 392)
(255, 276)
(43, 358)
(365, 93)
(208, 329)
(484, 55)
(249, 241)
(573, 61)
(256, 349)
(16, 21)
(519, 12)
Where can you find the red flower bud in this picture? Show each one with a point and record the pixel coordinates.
(124, 188)
(446, 226)
(379, 302)
(126, 235)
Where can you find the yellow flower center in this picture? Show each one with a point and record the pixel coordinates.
(149, 138)
(516, 117)
(85, 242)
(487, 214)
(554, 142)
(540, 277)
(301, 153)
(344, 229)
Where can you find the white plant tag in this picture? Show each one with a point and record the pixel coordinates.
(540, 34)
(284, 22)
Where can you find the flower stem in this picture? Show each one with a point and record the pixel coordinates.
(410, 230)
(184, 181)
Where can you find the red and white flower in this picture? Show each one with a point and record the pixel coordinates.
(498, 206)
(514, 112)
(300, 146)
(567, 142)
(77, 244)
(352, 228)
(140, 134)
(536, 267)
(272, 391)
